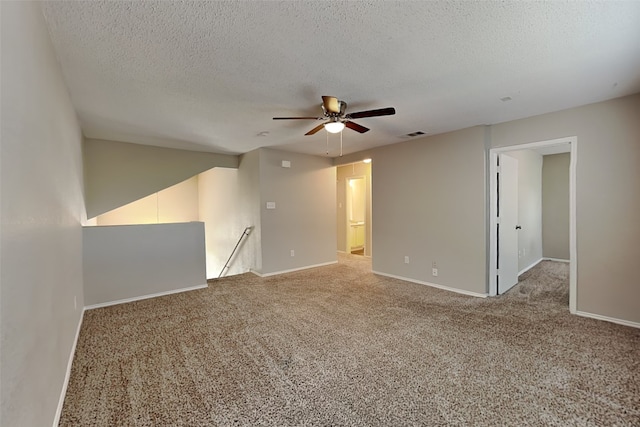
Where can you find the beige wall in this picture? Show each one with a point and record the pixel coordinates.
(118, 173)
(447, 173)
(219, 195)
(555, 206)
(343, 173)
(249, 190)
(607, 199)
(429, 204)
(529, 207)
(211, 197)
(41, 295)
(230, 200)
(132, 261)
(305, 216)
(178, 203)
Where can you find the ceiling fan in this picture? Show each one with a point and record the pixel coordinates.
(334, 113)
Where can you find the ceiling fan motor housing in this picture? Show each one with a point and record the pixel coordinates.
(342, 108)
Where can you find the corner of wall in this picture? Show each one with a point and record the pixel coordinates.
(303, 194)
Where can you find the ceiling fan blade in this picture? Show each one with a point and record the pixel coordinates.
(331, 104)
(389, 111)
(297, 118)
(315, 129)
(356, 127)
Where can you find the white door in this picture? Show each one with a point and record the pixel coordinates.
(507, 223)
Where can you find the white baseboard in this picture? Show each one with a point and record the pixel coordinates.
(555, 259)
(67, 375)
(433, 285)
(524, 270)
(275, 273)
(608, 319)
(159, 294)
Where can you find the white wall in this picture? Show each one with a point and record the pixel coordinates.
(178, 203)
(555, 206)
(305, 216)
(131, 261)
(529, 207)
(42, 209)
(219, 197)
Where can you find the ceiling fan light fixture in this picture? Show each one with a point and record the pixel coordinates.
(334, 112)
(334, 127)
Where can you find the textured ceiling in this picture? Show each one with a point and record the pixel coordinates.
(211, 75)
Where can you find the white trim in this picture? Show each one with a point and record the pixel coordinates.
(573, 246)
(141, 297)
(433, 285)
(275, 273)
(555, 259)
(524, 270)
(608, 319)
(342, 252)
(67, 376)
(572, 141)
(493, 222)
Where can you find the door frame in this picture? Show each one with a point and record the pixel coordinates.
(572, 142)
(347, 192)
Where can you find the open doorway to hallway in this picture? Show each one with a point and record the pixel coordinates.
(353, 215)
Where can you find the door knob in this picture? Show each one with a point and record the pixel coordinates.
(518, 227)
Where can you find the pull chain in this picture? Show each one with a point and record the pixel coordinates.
(327, 133)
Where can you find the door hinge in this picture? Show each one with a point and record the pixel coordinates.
(497, 220)
(498, 168)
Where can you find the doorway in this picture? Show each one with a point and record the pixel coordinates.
(354, 209)
(501, 258)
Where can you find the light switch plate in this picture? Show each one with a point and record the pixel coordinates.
(271, 205)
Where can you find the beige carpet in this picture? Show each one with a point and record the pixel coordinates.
(340, 346)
